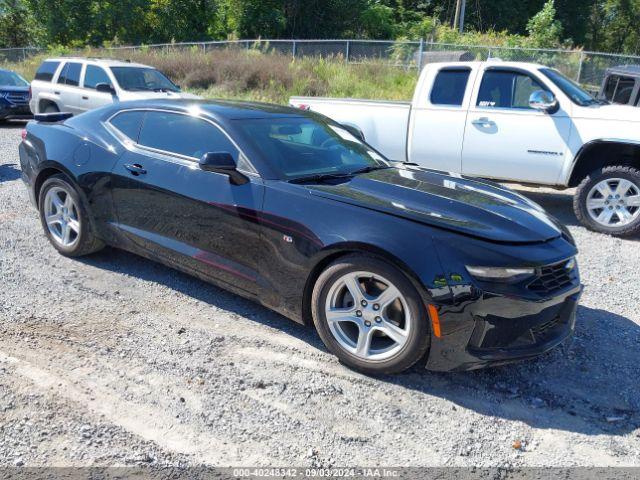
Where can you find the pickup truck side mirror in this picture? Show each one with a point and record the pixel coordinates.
(105, 88)
(543, 101)
(222, 162)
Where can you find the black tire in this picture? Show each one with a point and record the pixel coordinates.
(87, 242)
(580, 200)
(51, 108)
(418, 339)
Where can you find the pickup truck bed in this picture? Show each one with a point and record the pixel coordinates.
(385, 124)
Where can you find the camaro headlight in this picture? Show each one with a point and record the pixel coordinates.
(500, 274)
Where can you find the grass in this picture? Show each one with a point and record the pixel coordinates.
(268, 77)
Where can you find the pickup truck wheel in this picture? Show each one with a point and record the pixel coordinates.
(608, 201)
(370, 315)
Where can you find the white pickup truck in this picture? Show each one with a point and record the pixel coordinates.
(514, 122)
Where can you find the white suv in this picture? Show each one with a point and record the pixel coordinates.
(76, 85)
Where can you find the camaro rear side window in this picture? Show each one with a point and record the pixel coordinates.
(46, 71)
(183, 134)
(129, 123)
(449, 87)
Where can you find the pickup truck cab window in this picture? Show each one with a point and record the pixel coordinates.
(183, 135)
(95, 75)
(507, 89)
(450, 86)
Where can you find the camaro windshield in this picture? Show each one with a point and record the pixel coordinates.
(12, 79)
(569, 88)
(302, 147)
(143, 79)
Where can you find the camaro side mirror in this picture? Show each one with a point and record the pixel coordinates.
(105, 88)
(544, 101)
(222, 162)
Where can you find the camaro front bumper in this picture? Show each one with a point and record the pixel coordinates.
(496, 329)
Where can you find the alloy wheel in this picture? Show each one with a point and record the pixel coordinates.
(61, 217)
(368, 316)
(614, 202)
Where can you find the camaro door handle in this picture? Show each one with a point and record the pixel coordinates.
(135, 168)
(85, 98)
(483, 122)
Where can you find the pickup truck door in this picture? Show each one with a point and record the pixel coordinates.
(438, 116)
(507, 139)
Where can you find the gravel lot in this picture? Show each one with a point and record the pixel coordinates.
(115, 360)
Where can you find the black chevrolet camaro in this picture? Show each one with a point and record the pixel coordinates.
(392, 263)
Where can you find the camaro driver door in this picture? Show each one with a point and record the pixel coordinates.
(507, 139)
(170, 208)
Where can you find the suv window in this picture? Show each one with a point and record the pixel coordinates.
(618, 89)
(95, 75)
(184, 135)
(70, 74)
(449, 87)
(507, 89)
(128, 123)
(46, 71)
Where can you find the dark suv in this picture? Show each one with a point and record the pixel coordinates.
(14, 96)
(622, 85)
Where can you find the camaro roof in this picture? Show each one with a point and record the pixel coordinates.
(224, 109)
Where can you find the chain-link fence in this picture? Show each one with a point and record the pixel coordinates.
(587, 68)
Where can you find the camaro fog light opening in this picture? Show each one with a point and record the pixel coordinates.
(500, 274)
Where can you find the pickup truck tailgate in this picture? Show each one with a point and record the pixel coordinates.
(384, 124)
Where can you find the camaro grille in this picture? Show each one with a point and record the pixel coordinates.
(553, 278)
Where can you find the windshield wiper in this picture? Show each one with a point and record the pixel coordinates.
(370, 168)
(320, 177)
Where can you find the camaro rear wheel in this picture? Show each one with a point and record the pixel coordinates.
(370, 315)
(64, 219)
(608, 201)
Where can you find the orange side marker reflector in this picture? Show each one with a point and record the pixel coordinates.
(435, 319)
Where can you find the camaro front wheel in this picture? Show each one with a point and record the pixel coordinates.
(370, 315)
(64, 219)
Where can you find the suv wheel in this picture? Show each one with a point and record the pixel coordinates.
(608, 201)
(370, 315)
(65, 220)
(51, 108)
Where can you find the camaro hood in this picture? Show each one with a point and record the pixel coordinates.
(472, 207)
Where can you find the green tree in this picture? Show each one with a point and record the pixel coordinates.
(17, 24)
(543, 28)
(377, 21)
